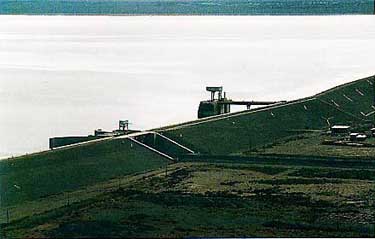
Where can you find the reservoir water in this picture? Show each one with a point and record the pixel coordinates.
(69, 75)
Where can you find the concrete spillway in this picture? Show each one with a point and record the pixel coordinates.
(160, 144)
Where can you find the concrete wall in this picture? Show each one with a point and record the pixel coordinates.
(62, 141)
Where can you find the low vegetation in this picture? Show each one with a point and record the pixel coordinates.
(201, 199)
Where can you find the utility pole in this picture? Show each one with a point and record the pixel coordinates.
(166, 169)
(373, 86)
(249, 132)
(154, 139)
(7, 215)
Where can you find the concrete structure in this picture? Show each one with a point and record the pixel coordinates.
(56, 142)
(123, 125)
(221, 105)
(63, 141)
(101, 133)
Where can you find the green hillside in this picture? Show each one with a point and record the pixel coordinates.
(239, 132)
(294, 186)
(39, 175)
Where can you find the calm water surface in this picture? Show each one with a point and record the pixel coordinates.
(66, 75)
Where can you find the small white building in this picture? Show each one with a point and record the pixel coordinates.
(340, 129)
(357, 137)
(373, 132)
(353, 136)
(361, 137)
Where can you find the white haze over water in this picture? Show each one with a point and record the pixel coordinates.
(68, 75)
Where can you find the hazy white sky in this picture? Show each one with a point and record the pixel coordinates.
(69, 75)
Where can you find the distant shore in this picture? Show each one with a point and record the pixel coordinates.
(189, 7)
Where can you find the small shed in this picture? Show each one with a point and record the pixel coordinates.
(353, 136)
(373, 132)
(361, 137)
(340, 129)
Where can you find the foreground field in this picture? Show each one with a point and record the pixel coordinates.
(219, 199)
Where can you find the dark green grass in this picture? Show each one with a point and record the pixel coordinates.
(359, 102)
(244, 132)
(335, 173)
(270, 170)
(57, 171)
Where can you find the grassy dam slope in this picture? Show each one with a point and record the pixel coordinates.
(238, 132)
(223, 186)
(39, 175)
